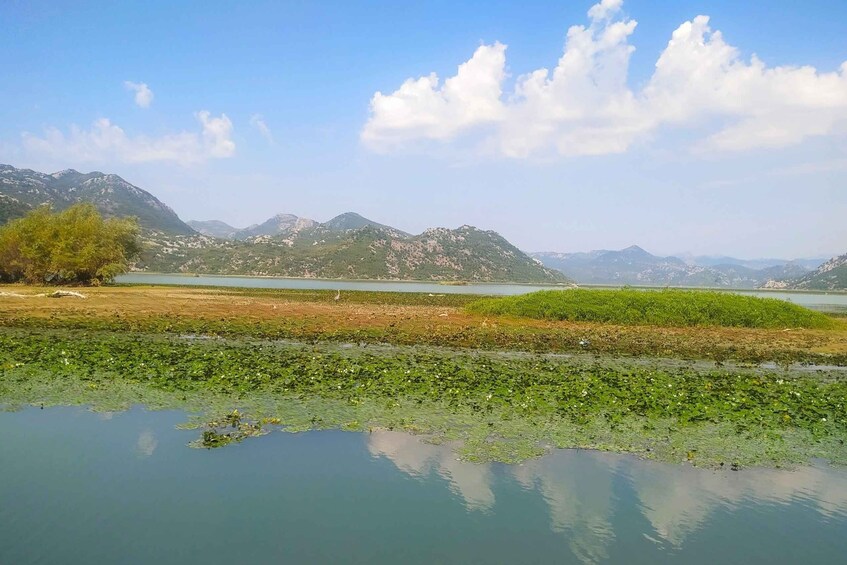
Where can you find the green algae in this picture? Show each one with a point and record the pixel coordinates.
(501, 408)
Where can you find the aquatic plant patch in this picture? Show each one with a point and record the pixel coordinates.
(501, 407)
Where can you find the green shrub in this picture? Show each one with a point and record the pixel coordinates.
(75, 245)
(653, 307)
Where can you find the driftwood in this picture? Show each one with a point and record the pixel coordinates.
(54, 294)
(64, 293)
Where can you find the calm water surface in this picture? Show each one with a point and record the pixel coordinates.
(819, 301)
(80, 487)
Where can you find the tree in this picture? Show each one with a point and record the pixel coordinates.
(75, 245)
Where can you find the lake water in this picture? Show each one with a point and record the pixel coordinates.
(80, 487)
(830, 302)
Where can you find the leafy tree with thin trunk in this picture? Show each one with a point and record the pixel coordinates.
(74, 246)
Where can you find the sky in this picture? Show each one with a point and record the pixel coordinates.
(710, 128)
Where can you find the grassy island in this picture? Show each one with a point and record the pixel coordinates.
(655, 308)
(449, 367)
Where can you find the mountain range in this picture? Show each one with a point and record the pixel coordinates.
(352, 246)
(332, 250)
(635, 266)
(808, 263)
(284, 224)
(348, 245)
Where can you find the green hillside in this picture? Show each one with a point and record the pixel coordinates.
(464, 254)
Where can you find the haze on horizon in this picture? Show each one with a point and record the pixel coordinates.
(699, 127)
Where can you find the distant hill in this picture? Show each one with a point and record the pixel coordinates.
(213, 228)
(832, 275)
(332, 250)
(635, 266)
(807, 263)
(22, 190)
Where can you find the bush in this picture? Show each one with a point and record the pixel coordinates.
(656, 308)
(75, 245)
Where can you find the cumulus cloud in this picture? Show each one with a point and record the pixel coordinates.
(108, 142)
(258, 122)
(143, 94)
(421, 108)
(584, 105)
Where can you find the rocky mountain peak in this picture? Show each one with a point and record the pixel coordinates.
(112, 195)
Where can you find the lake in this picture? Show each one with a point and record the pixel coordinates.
(81, 487)
(828, 302)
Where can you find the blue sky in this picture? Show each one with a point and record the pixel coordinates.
(237, 111)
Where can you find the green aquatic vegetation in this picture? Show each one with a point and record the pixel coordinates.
(504, 338)
(501, 407)
(654, 307)
(233, 427)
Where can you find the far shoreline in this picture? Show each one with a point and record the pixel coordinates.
(447, 282)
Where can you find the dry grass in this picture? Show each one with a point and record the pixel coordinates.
(355, 317)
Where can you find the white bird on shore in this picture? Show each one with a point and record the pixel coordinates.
(337, 295)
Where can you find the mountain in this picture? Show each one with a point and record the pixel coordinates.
(367, 252)
(24, 189)
(279, 224)
(832, 275)
(352, 221)
(635, 266)
(213, 228)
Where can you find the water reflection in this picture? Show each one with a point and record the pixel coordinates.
(70, 494)
(577, 487)
(414, 457)
(583, 489)
(146, 444)
(677, 501)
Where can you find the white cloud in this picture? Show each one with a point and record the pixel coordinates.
(143, 94)
(422, 109)
(604, 9)
(258, 122)
(217, 134)
(585, 106)
(107, 142)
(699, 76)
